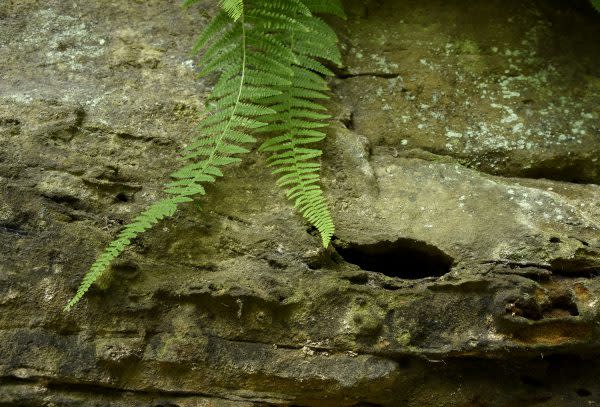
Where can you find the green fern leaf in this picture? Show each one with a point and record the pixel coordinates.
(215, 26)
(297, 115)
(145, 220)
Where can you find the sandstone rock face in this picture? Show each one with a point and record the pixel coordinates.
(462, 170)
(502, 87)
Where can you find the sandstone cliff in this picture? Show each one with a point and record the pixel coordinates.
(462, 169)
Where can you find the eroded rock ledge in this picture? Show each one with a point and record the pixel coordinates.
(462, 171)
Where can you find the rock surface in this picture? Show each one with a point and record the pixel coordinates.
(503, 87)
(462, 172)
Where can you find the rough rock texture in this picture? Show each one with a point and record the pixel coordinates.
(503, 87)
(451, 282)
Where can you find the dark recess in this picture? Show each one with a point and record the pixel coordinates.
(568, 169)
(404, 258)
(583, 392)
(126, 269)
(558, 307)
(582, 265)
(121, 197)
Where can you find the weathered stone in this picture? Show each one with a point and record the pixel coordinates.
(447, 284)
(505, 88)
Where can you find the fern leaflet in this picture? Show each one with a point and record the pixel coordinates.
(234, 8)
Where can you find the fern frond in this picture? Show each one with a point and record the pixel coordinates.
(288, 6)
(297, 116)
(233, 114)
(265, 18)
(142, 222)
(270, 45)
(268, 56)
(218, 24)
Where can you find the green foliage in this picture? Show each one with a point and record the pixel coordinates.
(269, 56)
(297, 120)
(235, 8)
(596, 4)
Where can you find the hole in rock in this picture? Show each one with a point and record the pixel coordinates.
(583, 392)
(390, 287)
(561, 307)
(348, 122)
(554, 239)
(122, 197)
(126, 269)
(404, 258)
(62, 47)
(70, 201)
(276, 264)
(563, 168)
(360, 279)
(525, 309)
(10, 122)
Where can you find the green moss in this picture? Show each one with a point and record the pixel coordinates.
(403, 338)
(365, 318)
